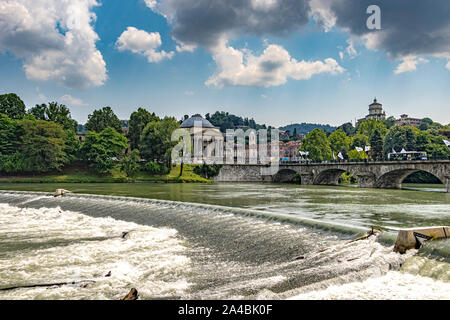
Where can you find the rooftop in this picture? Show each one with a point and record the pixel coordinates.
(190, 123)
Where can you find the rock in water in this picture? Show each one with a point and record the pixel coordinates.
(132, 295)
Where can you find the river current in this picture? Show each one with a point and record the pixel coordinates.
(220, 241)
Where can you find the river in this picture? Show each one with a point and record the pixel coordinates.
(219, 241)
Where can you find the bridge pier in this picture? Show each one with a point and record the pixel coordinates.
(366, 180)
(307, 179)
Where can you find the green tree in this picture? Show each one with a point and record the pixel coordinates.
(72, 146)
(43, 145)
(425, 124)
(359, 140)
(156, 144)
(348, 128)
(10, 135)
(340, 142)
(355, 155)
(389, 122)
(100, 149)
(55, 112)
(12, 106)
(138, 120)
(367, 127)
(318, 145)
(101, 119)
(376, 142)
(130, 163)
(400, 137)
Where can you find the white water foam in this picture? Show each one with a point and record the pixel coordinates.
(394, 285)
(49, 245)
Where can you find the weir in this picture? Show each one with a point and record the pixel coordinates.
(386, 175)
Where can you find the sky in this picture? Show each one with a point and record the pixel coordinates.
(277, 61)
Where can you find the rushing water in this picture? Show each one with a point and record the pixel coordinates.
(220, 241)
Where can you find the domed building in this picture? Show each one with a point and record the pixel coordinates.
(375, 111)
(206, 139)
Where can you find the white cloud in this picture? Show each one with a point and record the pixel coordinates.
(448, 65)
(264, 5)
(409, 64)
(143, 43)
(264, 96)
(151, 3)
(181, 47)
(55, 39)
(272, 68)
(71, 101)
(322, 14)
(189, 93)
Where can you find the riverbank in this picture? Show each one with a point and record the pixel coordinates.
(78, 174)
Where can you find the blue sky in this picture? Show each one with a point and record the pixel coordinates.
(298, 72)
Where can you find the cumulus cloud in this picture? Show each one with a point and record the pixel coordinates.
(409, 64)
(272, 68)
(210, 24)
(71, 101)
(143, 43)
(448, 65)
(55, 39)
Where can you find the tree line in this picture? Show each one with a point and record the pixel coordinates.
(382, 136)
(44, 139)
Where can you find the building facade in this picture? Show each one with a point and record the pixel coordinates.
(405, 120)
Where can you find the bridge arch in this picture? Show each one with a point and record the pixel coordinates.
(393, 179)
(284, 175)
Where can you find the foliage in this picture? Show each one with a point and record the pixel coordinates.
(367, 127)
(225, 120)
(340, 142)
(318, 146)
(347, 178)
(138, 120)
(208, 171)
(389, 122)
(130, 163)
(101, 149)
(355, 155)
(348, 128)
(156, 143)
(155, 168)
(360, 140)
(376, 143)
(72, 146)
(10, 135)
(12, 106)
(400, 137)
(43, 145)
(101, 119)
(55, 112)
(306, 128)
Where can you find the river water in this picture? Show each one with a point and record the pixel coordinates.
(219, 241)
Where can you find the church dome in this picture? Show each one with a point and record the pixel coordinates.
(189, 123)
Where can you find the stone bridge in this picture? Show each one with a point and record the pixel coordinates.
(388, 175)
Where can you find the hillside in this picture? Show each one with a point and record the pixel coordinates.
(305, 128)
